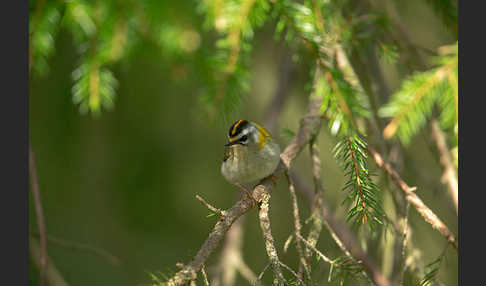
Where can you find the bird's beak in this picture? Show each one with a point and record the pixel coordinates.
(232, 141)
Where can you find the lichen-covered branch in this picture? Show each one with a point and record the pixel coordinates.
(189, 271)
(309, 125)
(269, 241)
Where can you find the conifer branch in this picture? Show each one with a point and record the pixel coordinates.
(339, 232)
(413, 103)
(412, 197)
(434, 267)
(344, 238)
(351, 152)
(348, 242)
(234, 34)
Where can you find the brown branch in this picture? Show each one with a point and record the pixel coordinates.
(302, 257)
(316, 226)
(419, 205)
(40, 217)
(450, 174)
(53, 277)
(246, 272)
(312, 247)
(404, 244)
(309, 125)
(188, 272)
(231, 260)
(293, 273)
(210, 207)
(260, 276)
(269, 240)
(349, 243)
(231, 252)
(205, 276)
(110, 258)
(341, 235)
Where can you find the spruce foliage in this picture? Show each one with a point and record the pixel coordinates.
(413, 104)
(329, 36)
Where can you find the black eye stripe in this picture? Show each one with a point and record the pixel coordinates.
(243, 138)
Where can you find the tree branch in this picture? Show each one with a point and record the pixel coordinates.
(419, 205)
(110, 258)
(450, 174)
(40, 217)
(220, 212)
(269, 241)
(309, 125)
(205, 276)
(302, 257)
(52, 275)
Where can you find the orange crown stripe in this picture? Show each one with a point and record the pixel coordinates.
(235, 126)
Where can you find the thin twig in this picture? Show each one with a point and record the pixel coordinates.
(293, 273)
(347, 242)
(226, 269)
(419, 205)
(210, 207)
(339, 232)
(404, 243)
(246, 272)
(232, 259)
(450, 173)
(110, 258)
(316, 227)
(302, 257)
(40, 217)
(311, 247)
(204, 275)
(260, 276)
(53, 277)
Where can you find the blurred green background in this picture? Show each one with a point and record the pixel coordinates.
(125, 181)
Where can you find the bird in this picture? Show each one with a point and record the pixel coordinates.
(250, 155)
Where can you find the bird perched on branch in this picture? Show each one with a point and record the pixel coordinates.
(250, 155)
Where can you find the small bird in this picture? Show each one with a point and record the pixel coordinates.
(250, 155)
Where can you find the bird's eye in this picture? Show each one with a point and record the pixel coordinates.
(244, 138)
